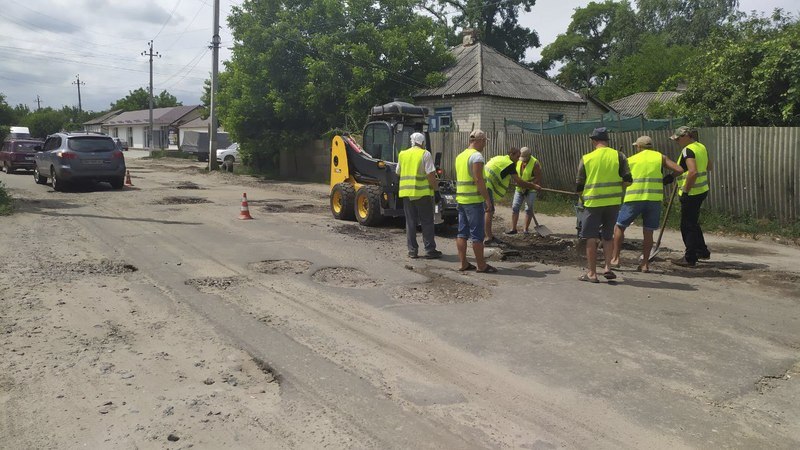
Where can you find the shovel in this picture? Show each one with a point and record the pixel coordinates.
(657, 247)
(541, 230)
(558, 191)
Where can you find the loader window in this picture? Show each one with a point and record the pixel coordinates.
(378, 141)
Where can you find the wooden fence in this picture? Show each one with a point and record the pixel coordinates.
(755, 169)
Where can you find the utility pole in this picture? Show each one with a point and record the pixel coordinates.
(79, 83)
(149, 52)
(38, 102)
(212, 141)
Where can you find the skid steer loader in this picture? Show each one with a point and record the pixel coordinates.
(364, 185)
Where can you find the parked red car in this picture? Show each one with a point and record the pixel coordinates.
(18, 154)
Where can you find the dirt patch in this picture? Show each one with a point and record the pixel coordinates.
(287, 206)
(545, 250)
(439, 289)
(69, 269)
(279, 266)
(189, 185)
(344, 277)
(214, 282)
(357, 231)
(181, 201)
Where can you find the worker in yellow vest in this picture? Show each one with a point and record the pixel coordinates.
(602, 175)
(643, 197)
(693, 189)
(417, 186)
(528, 169)
(473, 199)
(499, 172)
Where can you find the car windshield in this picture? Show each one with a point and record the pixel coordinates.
(25, 147)
(91, 144)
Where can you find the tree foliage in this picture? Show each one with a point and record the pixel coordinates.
(747, 74)
(300, 68)
(497, 23)
(685, 22)
(140, 99)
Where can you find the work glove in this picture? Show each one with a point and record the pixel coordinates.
(669, 179)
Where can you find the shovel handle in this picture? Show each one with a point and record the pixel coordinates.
(559, 191)
(663, 224)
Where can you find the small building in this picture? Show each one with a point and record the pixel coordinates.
(198, 124)
(133, 126)
(636, 104)
(485, 87)
(96, 124)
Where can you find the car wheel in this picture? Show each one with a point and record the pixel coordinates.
(7, 168)
(368, 205)
(38, 178)
(57, 184)
(230, 159)
(117, 183)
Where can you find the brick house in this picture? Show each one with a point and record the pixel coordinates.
(484, 87)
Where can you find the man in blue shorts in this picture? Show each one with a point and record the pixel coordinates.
(643, 197)
(473, 201)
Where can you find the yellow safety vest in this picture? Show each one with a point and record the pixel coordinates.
(466, 189)
(603, 183)
(492, 172)
(701, 159)
(527, 174)
(647, 183)
(413, 180)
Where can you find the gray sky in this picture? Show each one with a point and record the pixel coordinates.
(44, 44)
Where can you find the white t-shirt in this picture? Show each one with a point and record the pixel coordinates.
(476, 157)
(427, 164)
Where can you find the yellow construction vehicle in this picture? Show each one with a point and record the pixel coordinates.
(364, 184)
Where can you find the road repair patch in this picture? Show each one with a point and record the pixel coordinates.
(439, 289)
(214, 282)
(281, 266)
(346, 277)
(545, 250)
(181, 201)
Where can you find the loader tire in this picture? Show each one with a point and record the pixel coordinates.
(343, 200)
(368, 206)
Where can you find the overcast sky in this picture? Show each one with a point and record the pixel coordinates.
(44, 44)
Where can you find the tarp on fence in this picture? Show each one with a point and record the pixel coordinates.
(614, 122)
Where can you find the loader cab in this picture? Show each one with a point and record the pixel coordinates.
(390, 127)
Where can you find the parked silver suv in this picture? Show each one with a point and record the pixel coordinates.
(70, 157)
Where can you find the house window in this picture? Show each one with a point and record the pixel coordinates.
(444, 118)
(558, 117)
(116, 131)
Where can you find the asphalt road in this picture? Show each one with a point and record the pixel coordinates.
(399, 353)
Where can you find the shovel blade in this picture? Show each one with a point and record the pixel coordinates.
(542, 230)
(653, 254)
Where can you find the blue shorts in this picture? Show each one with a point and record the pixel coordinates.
(649, 210)
(471, 222)
(520, 198)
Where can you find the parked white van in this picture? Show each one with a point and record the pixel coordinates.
(19, 133)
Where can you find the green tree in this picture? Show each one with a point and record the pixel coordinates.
(140, 99)
(299, 69)
(685, 21)
(748, 73)
(45, 121)
(597, 34)
(7, 116)
(497, 23)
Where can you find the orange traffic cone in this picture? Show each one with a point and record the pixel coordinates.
(245, 211)
(128, 181)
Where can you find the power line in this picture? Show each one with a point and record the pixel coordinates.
(79, 83)
(168, 19)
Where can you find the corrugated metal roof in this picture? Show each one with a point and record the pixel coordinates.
(480, 69)
(636, 104)
(161, 116)
(100, 119)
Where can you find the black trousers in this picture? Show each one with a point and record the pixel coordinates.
(690, 227)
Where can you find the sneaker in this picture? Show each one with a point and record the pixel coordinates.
(510, 232)
(683, 262)
(433, 254)
(526, 232)
(413, 255)
(705, 256)
(493, 242)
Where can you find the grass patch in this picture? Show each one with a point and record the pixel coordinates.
(712, 221)
(6, 206)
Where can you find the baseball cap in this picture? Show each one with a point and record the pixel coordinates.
(599, 134)
(644, 141)
(525, 153)
(477, 134)
(683, 131)
(418, 138)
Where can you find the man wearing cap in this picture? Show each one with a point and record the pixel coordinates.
(602, 174)
(473, 199)
(692, 190)
(643, 197)
(528, 169)
(499, 172)
(417, 185)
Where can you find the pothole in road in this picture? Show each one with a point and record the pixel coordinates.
(279, 266)
(102, 267)
(365, 233)
(439, 289)
(214, 282)
(344, 277)
(291, 208)
(181, 201)
(188, 185)
(545, 250)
